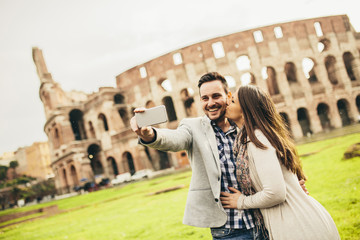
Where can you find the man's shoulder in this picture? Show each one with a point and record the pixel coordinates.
(195, 120)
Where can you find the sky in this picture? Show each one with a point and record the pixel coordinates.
(87, 43)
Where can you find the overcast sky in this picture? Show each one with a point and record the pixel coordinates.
(86, 43)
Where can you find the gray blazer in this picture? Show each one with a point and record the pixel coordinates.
(196, 136)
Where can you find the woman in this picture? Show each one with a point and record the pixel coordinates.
(268, 169)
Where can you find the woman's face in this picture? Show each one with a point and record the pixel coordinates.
(233, 110)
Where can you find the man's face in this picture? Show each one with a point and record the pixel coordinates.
(213, 100)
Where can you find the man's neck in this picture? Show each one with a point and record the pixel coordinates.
(223, 124)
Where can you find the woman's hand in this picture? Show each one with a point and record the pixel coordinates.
(229, 200)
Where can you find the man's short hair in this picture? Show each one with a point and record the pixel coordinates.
(213, 76)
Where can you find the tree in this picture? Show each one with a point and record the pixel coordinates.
(14, 164)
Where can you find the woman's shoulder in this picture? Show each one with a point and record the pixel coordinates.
(262, 138)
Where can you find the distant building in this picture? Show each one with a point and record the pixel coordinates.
(33, 161)
(311, 69)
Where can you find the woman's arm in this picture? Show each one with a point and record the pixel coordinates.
(269, 171)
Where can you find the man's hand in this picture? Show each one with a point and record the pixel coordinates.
(229, 200)
(302, 184)
(145, 133)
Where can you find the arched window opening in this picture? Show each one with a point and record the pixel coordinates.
(124, 116)
(102, 118)
(177, 59)
(119, 99)
(92, 130)
(112, 166)
(94, 154)
(323, 45)
(269, 74)
(349, 65)
(290, 71)
(165, 84)
(318, 29)
(343, 108)
(303, 118)
(74, 177)
(188, 101)
(128, 162)
(243, 63)
(278, 32)
(65, 181)
(258, 36)
(170, 109)
(286, 121)
(231, 83)
(150, 104)
(164, 160)
(56, 138)
(323, 113)
(247, 78)
(143, 73)
(218, 50)
(308, 66)
(330, 65)
(77, 124)
(358, 104)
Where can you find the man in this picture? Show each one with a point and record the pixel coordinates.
(208, 141)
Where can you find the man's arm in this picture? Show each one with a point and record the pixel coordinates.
(163, 139)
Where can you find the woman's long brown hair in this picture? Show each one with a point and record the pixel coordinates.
(260, 113)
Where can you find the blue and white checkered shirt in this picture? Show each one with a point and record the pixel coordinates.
(236, 218)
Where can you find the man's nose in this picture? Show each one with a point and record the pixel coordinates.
(211, 102)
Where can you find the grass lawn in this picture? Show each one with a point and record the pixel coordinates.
(129, 212)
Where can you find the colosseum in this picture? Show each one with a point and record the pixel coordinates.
(309, 67)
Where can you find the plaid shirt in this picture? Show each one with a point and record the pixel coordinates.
(236, 218)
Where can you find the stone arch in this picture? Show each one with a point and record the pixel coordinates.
(165, 84)
(324, 45)
(187, 97)
(170, 109)
(119, 99)
(269, 74)
(243, 63)
(323, 113)
(308, 66)
(56, 141)
(74, 176)
(124, 116)
(231, 83)
(290, 72)
(330, 65)
(304, 121)
(150, 104)
(343, 108)
(94, 154)
(286, 120)
(102, 118)
(92, 130)
(128, 162)
(112, 166)
(349, 62)
(77, 124)
(65, 181)
(357, 101)
(247, 78)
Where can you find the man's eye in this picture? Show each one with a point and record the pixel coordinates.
(232, 101)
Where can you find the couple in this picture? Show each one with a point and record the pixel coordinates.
(245, 169)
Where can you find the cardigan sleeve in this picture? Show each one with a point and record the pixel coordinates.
(268, 171)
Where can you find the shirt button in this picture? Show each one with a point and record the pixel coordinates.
(216, 200)
(218, 178)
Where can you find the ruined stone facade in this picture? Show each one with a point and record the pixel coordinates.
(311, 69)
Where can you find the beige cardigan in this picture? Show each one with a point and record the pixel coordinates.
(289, 214)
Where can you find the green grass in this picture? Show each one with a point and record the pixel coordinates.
(129, 212)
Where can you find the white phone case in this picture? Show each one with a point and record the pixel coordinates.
(151, 116)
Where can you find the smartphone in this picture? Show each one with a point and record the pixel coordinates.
(151, 116)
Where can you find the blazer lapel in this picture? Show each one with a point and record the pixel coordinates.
(211, 138)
